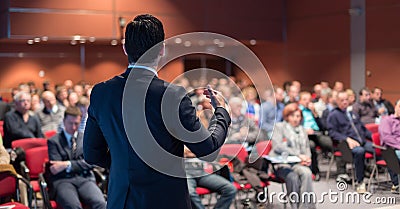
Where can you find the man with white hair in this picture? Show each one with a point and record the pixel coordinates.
(18, 123)
(52, 114)
(242, 130)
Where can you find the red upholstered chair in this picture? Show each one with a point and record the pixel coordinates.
(234, 150)
(378, 153)
(372, 127)
(34, 162)
(49, 134)
(9, 182)
(29, 143)
(264, 147)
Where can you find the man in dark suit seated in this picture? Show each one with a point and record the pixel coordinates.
(72, 178)
(138, 128)
(346, 126)
(20, 123)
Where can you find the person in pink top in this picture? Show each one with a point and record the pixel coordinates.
(389, 130)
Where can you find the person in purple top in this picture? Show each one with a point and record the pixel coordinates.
(389, 130)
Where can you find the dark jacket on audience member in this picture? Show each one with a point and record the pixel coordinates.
(366, 111)
(339, 126)
(15, 128)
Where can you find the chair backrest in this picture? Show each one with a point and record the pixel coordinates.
(35, 159)
(8, 184)
(234, 150)
(50, 133)
(29, 143)
(1, 128)
(391, 159)
(372, 127)
(264, 147)
(376, 139)
(346, 152)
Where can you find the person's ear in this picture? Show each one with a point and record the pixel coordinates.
(123, 47)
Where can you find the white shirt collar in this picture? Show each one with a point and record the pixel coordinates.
(143, 67)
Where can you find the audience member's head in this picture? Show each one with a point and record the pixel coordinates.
(35, 103)
(376, 94)
(68, 84)
(141, 34)
(325, 85)
(292, 114)
(305, 99)
(78, 89)
(236, 104)
(286, 85)
(49, 100)
(352, 96)
(73, 99)
(279, 94)
(332, 96)
(342, 100)
(250, 94)
(297, 84)
(293, 93)
(365, 95)
(62, 93)
(24, 87)
(72, 119)
(226, 91)
(317, 90)
(22, 102)
(325, 95)
(338, 86)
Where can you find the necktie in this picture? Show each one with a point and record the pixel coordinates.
(73, 145)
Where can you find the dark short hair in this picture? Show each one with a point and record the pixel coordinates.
(141, 34)
(363, 89)
(290, 109)
(72, 111)
(376, 88)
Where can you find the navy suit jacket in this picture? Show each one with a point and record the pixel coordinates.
(134, 184)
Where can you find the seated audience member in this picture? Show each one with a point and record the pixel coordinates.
(62, 96)
(253, 108)
(383, 106)
(68, 85)
(270, 113)
(72, 178)
(316, 92)
(36, 104)
(331, 105)
(292, 95)
(18, 123)
(242, 130)
(197, 177)
(346, 126)
(338, 86)
(364, 108)
(311, 123)
(73, 99)
(52, 114)
(390, 136)
(78, 89)
(320, 105)
(291, 138)
(4, 108)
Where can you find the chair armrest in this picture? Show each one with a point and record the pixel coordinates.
(29, 189)
(378, 146)
(25, 170)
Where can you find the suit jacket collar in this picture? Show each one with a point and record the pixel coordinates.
(138, 72)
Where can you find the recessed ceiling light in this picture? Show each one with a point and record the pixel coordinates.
(74, 42)
(114, 42)
(92, 39)
(82, 41)
(30, 42)
(37, 40)
(45, 38)
(253, 42)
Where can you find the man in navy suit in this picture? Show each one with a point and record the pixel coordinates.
(72, 178)
(115, 135)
